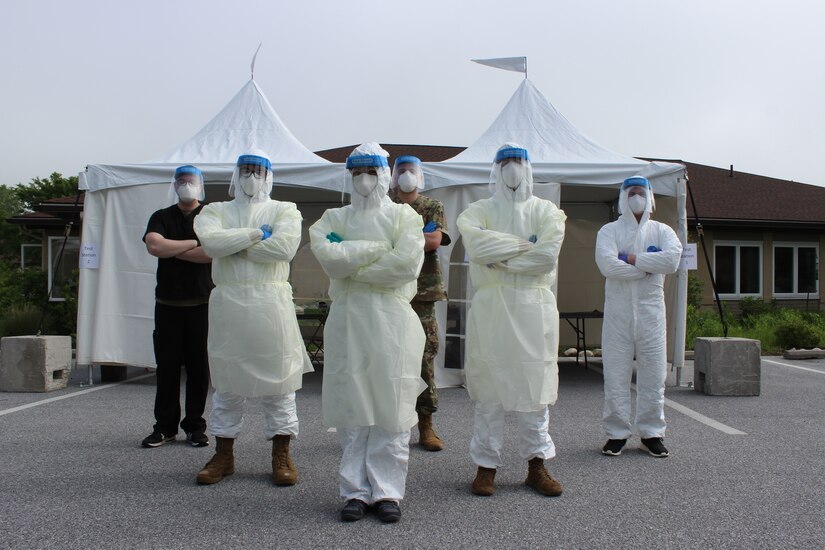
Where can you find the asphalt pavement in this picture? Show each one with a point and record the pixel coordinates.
(73, 475)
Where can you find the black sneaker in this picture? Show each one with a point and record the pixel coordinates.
(197, 438)
(654, 447)
(613, 447)
(353, 510)
(156, 439)
(388, 511)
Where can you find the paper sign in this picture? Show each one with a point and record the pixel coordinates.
(89, 257)
(688, 260)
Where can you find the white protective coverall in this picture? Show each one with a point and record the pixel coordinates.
(634, 317)
(512, 326)
(373, 340)
(255, 345)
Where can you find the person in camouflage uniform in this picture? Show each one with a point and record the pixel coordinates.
(407, 179)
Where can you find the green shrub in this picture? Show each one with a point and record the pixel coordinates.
(752, 307)
(20, 320)
(796, 333)
(694, 290)
(704, 322)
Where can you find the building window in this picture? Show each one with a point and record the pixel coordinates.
(738, 269)
(795, 270)
(61, 274)
(31, 255)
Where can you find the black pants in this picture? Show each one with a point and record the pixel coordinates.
(180, 339)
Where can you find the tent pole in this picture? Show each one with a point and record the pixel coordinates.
(680, 329)
(700, 232)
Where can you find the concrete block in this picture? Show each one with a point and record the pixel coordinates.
(727, 366)
(794, 353)
(35, 363)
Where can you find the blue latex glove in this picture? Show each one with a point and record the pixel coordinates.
(623, 257)
(533, 239)
(334, 237)
(430, 227)
(653, 248)
(267, 229)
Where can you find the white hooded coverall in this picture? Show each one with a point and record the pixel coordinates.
(373, 340)
(512, 326)
(634, 318)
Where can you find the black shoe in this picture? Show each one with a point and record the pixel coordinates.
(654, 447)
(156, 439)
(613, 447)
(353, 510)
(197, 438)
(388, 511)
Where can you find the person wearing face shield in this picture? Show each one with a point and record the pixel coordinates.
(634, 253)
(372, 251)
(255, 344)
(407, 179)
(513, 241)
(181, 313)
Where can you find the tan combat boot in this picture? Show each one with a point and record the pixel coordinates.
(483, 484)
(283, 470)
(427, 437)
(540, 479)
(220, 465)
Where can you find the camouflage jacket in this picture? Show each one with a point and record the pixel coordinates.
(430, 281)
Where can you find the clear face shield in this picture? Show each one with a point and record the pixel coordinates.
(407, 174)
(252, 179)
(636, 196)
(369, 177)
(187, 185)
(512, 172)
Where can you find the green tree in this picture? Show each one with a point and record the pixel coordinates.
(10, 235)
(39, 190)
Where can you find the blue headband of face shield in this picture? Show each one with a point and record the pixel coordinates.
(182, 170)
(254, 160)
(512, 153)
(634, 181)
(367, 160)
(407, 159)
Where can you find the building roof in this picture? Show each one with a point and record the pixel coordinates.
(427, 153)
(726, 197)
(51, 213)
(37, 220)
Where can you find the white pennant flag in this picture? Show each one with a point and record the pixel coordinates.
(517, 64)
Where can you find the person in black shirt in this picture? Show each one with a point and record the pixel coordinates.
(181, 313)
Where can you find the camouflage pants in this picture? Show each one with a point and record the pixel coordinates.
(428, 400)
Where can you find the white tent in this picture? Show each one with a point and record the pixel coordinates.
(115, 310)
(573, 171)
(117, 277)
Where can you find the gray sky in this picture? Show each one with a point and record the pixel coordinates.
(715, 82)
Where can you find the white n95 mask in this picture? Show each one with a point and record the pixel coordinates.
(408, 181)
(188, 193)
(250, 184)
(637, 204)
(363, 184)
(512, 174)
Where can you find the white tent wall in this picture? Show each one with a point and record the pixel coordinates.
(116, 300)
(580, 286)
